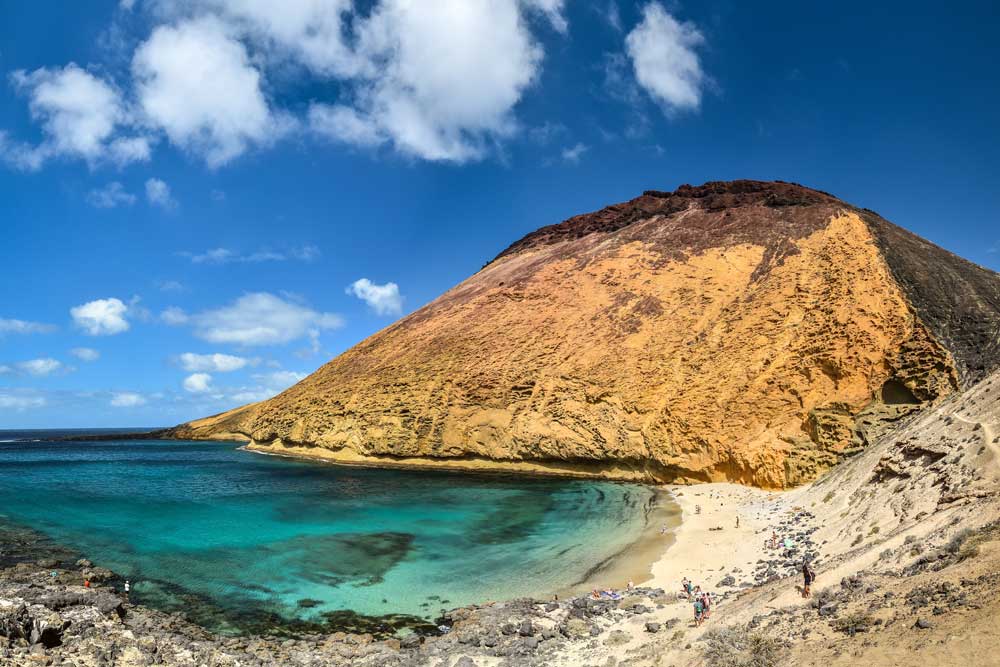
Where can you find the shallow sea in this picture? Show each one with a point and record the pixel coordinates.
(240, 541)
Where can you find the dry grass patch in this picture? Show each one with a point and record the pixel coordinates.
(738, 647)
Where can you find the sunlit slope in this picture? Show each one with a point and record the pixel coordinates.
(745, 331)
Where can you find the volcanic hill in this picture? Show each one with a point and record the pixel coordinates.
(741, 331)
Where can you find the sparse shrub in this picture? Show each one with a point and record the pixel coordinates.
(910, 539)
(738, 647)
(874, 530)
(828, 497)
(955, 544)
(969, 550)
(852, 622)
(857, 540)
(824, 597)
(969, 547)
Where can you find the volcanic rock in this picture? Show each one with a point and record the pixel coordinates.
(737, 331)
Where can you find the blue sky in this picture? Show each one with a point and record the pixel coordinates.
(204, 200)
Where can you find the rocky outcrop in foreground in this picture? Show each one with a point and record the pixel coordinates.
(46, 619)
(744, 331)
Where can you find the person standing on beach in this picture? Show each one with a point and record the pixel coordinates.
(128, 587)
(808, 577)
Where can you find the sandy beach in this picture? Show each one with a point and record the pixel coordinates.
(707, 540)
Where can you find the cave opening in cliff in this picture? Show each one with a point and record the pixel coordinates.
(895, 392)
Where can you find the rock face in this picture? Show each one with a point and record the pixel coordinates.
(743, 331)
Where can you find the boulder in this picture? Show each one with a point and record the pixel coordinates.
(575, 628)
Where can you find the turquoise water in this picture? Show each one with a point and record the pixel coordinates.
(237, 540)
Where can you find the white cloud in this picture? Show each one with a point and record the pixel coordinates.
(126, 5)
(174, 316)
(23, 327)
(383, 299)
(252, 395)
(85, 353)
(336, 121)
(306, 31)
(435, 80)
(39, 367)
(662, 51)
(306, 253)
(170, 286)
(432, 80)
(553, 11)
(198, 383)
(80, 115)
(158, 194)
(196, 82)
(127, 399)
(218, 363)
(613, 16)
(574, 153)
(269, 385)
(110, 196)
(261, 318)
(213, 256)
(279, 379)
(130, 149)
(20, 403)
(103, 317)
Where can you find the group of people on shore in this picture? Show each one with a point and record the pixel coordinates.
(701, 600)
(611, 594)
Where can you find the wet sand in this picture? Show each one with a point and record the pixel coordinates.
(635, 561)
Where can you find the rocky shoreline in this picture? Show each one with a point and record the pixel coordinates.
(48, 617)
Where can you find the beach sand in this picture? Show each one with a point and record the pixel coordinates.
(702, 554)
